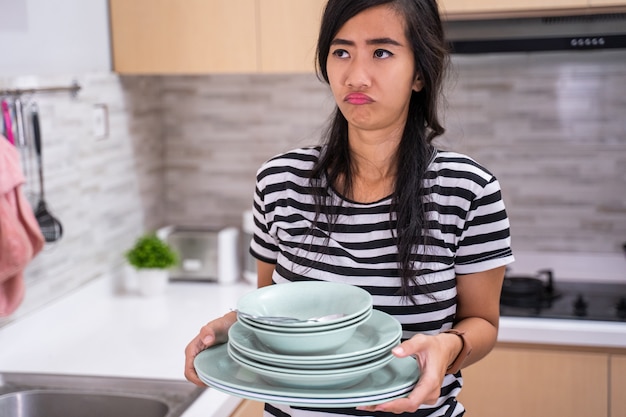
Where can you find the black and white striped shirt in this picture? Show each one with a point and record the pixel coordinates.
(467, 223)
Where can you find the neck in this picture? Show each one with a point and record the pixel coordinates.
(373, 165)
(374, 153)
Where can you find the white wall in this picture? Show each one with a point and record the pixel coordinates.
(49, 37)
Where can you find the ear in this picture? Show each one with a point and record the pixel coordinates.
(418, 84)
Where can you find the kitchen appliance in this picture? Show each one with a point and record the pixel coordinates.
(206, 254)
(248, 261)
(527, 34)
(543, 297)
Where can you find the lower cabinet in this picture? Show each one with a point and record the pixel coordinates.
(618, 386)
(248, 408)
(542, 381)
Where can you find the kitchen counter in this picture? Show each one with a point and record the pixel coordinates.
(96, 332)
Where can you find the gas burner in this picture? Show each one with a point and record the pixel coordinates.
(538, 296)
(530, 292)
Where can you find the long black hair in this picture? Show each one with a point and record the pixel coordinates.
(424, 32)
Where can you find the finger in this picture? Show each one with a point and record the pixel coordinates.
(191, 351)
(213, 332)
(207, 336)
(408, 404)
(426, 391)
(223, 325)
(199, 343)
(398, 406)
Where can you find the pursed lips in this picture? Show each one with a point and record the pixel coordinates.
(358, 98)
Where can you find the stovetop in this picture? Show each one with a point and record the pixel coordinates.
(567, 300)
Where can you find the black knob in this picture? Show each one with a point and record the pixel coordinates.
(620, 308)
(580, 306)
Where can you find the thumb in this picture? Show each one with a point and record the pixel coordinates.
(401, 351)
(409, 347)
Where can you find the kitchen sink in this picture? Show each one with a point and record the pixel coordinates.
(48, 395)
(42, 403)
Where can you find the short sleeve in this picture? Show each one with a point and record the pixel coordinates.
(485, 242)
(263, 246)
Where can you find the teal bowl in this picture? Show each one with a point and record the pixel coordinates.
(303, 343)
(306, 299)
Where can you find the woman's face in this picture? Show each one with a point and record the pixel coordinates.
(371, 70)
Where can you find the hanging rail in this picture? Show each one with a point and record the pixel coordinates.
(73, 90)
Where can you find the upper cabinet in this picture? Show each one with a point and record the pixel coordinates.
(260, 36)
(493, 6)
(183, 37)
(214, 36)
(466, 9)
(288, 34)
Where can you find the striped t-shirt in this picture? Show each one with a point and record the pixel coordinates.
(468, 229)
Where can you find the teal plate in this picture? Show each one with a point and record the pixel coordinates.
(215, 368)
(376, 334)
(314, 402)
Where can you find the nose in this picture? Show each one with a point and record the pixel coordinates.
(357, 74)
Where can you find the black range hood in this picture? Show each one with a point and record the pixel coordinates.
(557, 33)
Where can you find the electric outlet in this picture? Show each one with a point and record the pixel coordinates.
(100, 121)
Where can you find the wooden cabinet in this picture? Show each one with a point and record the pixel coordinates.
(248, 408)
(522, 381)
(618, 386)
(494, 6)
(214, 36)
(602, 3)
(183, 37)
(251, 36)
(288, 34)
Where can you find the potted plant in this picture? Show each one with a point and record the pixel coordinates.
(151, 257)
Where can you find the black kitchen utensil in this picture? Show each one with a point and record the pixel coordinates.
(50, 227)
(528, 291)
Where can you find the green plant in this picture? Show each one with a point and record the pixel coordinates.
(151, 252)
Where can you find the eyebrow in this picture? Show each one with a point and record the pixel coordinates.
(375, 41)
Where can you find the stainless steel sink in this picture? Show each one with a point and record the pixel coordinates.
(46, 395)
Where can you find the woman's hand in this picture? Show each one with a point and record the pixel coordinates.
(212, 333)
(216, 331)
(433, 354)
(477, 314)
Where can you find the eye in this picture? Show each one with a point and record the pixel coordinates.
(382, 53)
(341, 53)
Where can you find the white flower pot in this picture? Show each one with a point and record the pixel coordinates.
(152, 281)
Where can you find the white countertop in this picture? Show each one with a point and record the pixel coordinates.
(95, 332)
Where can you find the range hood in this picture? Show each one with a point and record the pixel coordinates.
(557, 33)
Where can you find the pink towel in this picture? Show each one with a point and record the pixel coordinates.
(20, 237)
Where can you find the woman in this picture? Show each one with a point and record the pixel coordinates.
(424, 231)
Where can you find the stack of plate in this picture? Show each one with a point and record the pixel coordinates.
(286, 362)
